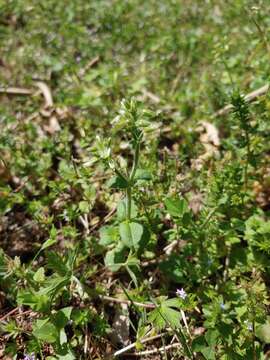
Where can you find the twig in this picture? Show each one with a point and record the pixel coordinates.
(154, 351)
(9, 314)
(151, 96)
(185, 321)
(15, 91)
(103, 221)
(26, 312)
(46, 92)
(133, 345)
(249, 97)
(128, 302)
(91, 63)
(13, 312)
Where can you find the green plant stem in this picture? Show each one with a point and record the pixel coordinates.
(135, 161)
(131, 178)
(120, 174)
(129, 198)
(247, 160)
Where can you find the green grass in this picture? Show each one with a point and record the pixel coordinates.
(135, 208)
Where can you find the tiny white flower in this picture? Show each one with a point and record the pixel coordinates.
(181, 293)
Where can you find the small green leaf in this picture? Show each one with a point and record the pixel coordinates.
(131, 234)
(165, 315)
(108, 235)
(132, 275)
(51, 241)
(114, 260)
(56, 263)
(208, 353)
(62, 337)
(62, 317)
(263, 333)
(199, 343)
(174, 302)
(39, 276)
(172, 316)
(84, 206)
(122, 210)
(118, 182)
(211, 337)
(176, 207)
(142, 174)
(45, 331)
(156, 318)
(54, 284)
(37, 302)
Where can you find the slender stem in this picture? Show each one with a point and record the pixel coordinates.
(120, 174)
(254, 339)
(247, 160)
(135, 161)
(127, 302)
(131, 178)
(209, 216)
(157, 350)
(133, 345)
(129, 198)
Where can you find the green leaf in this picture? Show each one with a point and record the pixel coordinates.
(163, 316)
(132, 275)
(37, 302)
(122, 210)
(56, 263)
(67, 356)
(51, 241)
(131, 234)
(208, 353)
(62, 337)
(61, 318)
(45, 331)
(39, 276)
(174, 302)
(263, 333)
(212, 336)
(84, 206)
(172, 316)
(117, 182)
(54, 284)
(156, 318)
(114, 260)
(108, 235)
(176, 207)
(142, 174)
(198, 344)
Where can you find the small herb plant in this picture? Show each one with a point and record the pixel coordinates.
(147, 235)
(130, 236)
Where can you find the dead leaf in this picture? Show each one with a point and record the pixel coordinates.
(209, 137)
(53, 125)
(120, 332)
(196, 202)
(209, 133)
(15, 91)
(48, 110)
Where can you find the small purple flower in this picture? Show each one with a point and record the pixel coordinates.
(181, 293)
(222, 306)
(29, 357)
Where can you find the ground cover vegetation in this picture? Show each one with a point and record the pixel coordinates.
(134, 213)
